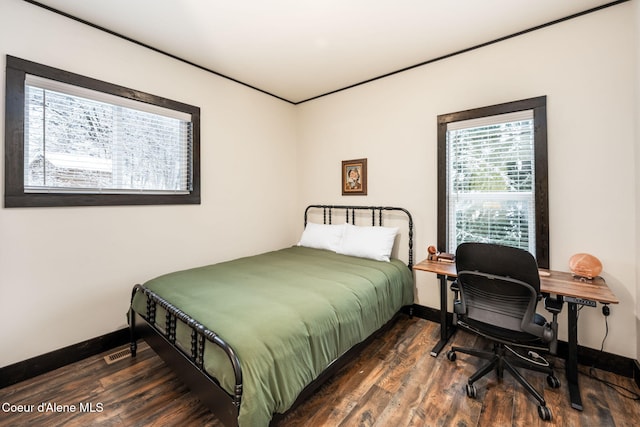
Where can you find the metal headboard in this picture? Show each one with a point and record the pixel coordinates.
(376, 212)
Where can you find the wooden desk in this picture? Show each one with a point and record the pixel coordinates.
(571, 290)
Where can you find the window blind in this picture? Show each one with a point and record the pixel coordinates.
(81, 140)
(491, 181)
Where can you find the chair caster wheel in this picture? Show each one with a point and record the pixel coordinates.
(553, 381)
(451, 355)
(472, 391)
(544, 412)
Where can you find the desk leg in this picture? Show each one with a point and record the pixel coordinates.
(571, 367)
(446, 330)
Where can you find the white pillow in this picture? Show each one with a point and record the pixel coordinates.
(322, 236)
(368, 242)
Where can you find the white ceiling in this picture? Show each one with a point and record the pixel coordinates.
(300, 49)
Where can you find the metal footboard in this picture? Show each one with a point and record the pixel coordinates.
(199, 333)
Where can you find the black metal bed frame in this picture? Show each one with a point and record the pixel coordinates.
(189, 364)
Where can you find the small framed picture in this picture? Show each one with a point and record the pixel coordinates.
(354, 177)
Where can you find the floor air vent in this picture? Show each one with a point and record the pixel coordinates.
(118, 355)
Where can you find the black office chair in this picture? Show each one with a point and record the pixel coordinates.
(499, 289)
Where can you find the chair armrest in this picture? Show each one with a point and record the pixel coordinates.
(458, 306)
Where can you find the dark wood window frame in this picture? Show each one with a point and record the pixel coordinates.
(15, 196)
(539, 107)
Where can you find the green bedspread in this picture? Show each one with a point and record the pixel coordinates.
(288, 314)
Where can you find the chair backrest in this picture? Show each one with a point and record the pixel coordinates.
(499, 286)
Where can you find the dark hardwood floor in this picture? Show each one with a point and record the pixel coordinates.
(395, 382)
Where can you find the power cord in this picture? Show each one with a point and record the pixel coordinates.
(534, 357)
(621, 390)
(606, 325)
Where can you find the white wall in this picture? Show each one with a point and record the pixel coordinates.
(66, 273)
(585, 66)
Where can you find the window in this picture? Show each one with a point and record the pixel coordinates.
(75, 141)
(492, 177)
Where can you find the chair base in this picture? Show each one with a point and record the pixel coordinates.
(500, 360)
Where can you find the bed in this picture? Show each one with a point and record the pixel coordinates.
(254, 336)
